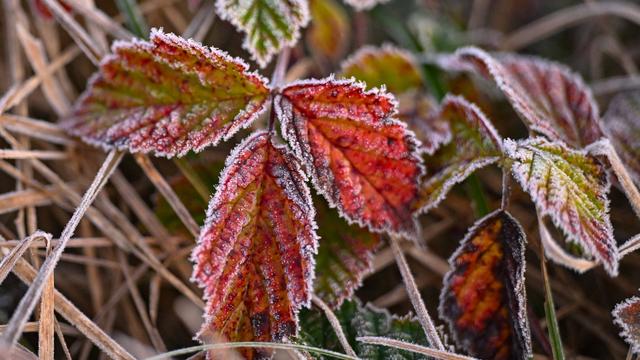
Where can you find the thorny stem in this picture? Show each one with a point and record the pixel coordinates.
(506, 186)
(335, 323)
(276, 81)
(414, 294)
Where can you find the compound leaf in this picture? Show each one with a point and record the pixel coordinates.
(627, 316)
(330, 29)
(474, 143)
(254, 257)
(364, 162)
(362, 5)
(483, 299)
(269, 25)
(167, 95)
(621, 124)
(357, 320)
(344, 257)
(571, 187)
(549, 97)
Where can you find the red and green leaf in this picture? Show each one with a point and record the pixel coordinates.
(167, 95)
(550, 98)
(360, 159)
(621, 124)
(330, 30)
(483, 299)
(571, 187)
(345, 256)
(269, 25)
(473, 144)
(627, 316)
(254, 257)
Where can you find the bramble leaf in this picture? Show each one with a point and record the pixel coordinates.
(484, 299)
(361, 5)
(474, 143)
(357, 320)
(254, 257)
(621, 124)
(269, 25)
(344, 257)
(397, 70)
(167, 95)
(330, 30)
(627, 316)
(571, 187)
(548, 96)
(386, 66)
(364, 162)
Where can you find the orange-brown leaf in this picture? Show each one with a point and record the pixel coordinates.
(483, 299)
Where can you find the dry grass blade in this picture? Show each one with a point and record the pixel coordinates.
(161, 184)
(414, 295)
(37, 57)
(28, 302)
(99, 18)
(34, 128)
(567, 17)
(47, 318)
(20, 199)
(335, 323)
(438, 354)
(32, 154)
(10, 259)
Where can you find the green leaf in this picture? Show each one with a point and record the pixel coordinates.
(572, 188)
(344, 257)
(356, 321)
(474, 143)
(270, 25)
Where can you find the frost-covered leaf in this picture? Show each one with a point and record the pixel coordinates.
(474, 143)
(254, 257)
(384, 66)
(627, 316)
(357, 320)
(362, 5)
(548, 96)
(330, 30)
(269, 25)
(167, 95)
(420, 112)
(363, 161)
(621, 124)
(483, 299)
(344, 257)
(571, 187)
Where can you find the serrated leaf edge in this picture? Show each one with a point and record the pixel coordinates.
(626, 333)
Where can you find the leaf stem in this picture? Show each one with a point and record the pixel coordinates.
(414, 348)
(550, 313)
(335, 323)
(414, 294)
(192, 176)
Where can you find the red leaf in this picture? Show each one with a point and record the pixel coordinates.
(483, 299)
(363, 161)
(254, 257)
(167, 95)
(548, 96)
